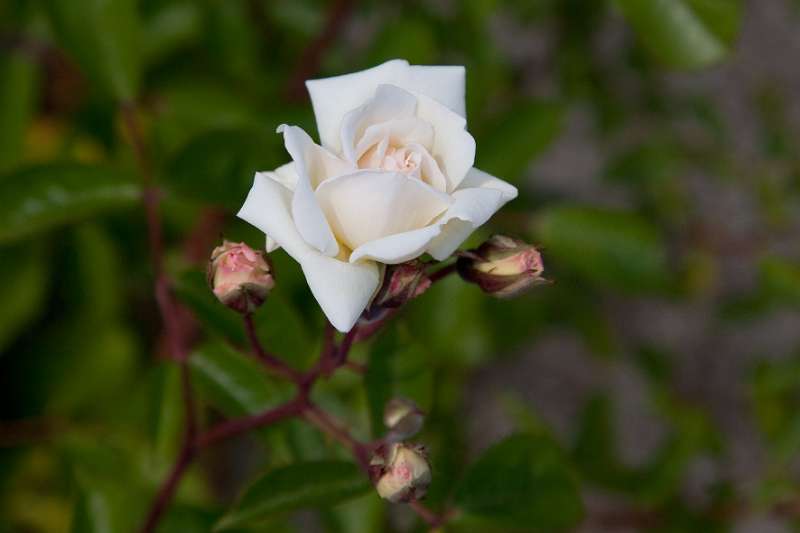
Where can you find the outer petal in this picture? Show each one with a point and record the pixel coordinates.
(479, 198)
(286, 176)
(397, 248)
(333, 97)
(342, 289)
(313, 164)
(368, 205)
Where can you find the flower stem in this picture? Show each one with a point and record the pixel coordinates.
(236, 426)
(442, 273)
(270, 361)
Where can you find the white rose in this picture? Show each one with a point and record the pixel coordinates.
(392, 180)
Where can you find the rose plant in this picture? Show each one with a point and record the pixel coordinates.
(370, 214)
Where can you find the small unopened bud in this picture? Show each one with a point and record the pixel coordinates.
(401, 283)
(502, 266)
(240, 277)
(403, 418)
(402, 471)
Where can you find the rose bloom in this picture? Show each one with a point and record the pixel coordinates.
(392, 179)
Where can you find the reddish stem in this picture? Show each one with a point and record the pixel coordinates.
(308, 65)
(325, 423)
(270, 361)
(168, 488)
(442, 273)
(236, 426)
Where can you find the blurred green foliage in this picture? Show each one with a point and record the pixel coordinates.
(90, 420)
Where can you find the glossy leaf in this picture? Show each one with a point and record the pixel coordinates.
(43, 197)
(318, 483)
(218, 166)
(23, 299)
(524, 479)
(192, 288)
(379, 379)
(684, 33)
(232, 382)
(611, 248)
(103, 37)
(18, 90)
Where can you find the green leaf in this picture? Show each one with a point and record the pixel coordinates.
(218, 166)
(611, 248)
(311, 484)
(103, 36)
(525, 131)
(685, 33)
(18, 92)
(232, 382)
(192, 288)
(282, 330)
(524, 479)
(378, 381)
(43, 197)
(104, 505)
(23, 299)
(168, 28)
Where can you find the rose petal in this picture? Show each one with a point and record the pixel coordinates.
(389, 103)
(478, 198)
(397, 248)
(286, 176)
(342, 289)
(333, 97)
(313, 165)
(453, 146)
(399, 132)
(367, 205)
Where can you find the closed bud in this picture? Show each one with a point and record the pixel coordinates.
(502, 266)
(403, 418)
(240, 277)
(402, 471)
(401, 283)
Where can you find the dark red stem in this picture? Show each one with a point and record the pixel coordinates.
(308, 65)
(442, 273)
(168, 488)
(270, 361)
(236, 426)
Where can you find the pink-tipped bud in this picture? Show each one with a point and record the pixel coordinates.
(502, 266)
(240, 277)
(401, 283)
(402, 472)
(403, 418)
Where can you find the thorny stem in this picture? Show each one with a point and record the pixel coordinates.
(270, 361)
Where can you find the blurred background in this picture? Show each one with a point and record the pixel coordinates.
(655, 145)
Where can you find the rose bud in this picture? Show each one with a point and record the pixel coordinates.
(401, 283)
(403, 472)
(403, 418)
(240, 277)
(502, 266)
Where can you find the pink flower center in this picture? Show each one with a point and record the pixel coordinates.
(402, 472)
